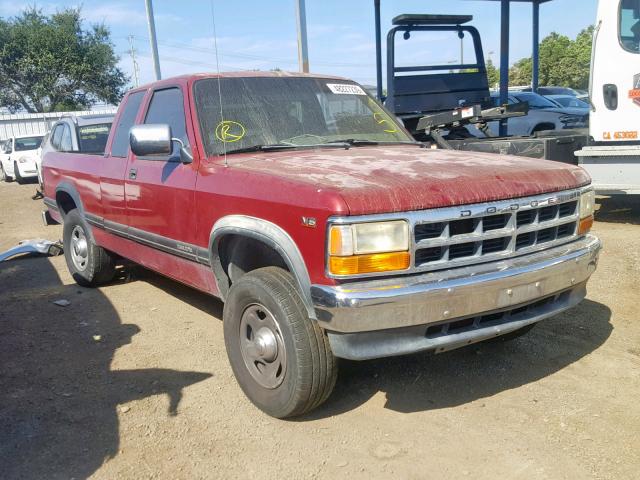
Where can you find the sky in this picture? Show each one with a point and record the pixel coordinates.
(262, 35)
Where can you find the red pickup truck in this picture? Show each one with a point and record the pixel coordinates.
(324, 227)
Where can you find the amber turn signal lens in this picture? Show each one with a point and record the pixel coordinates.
(373, 263)
(585, 225)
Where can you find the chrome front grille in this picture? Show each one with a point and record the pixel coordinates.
(450, 237)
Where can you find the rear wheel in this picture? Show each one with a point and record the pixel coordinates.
(90, 265)
(281, 358)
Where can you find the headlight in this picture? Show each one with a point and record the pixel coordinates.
(571, 119)
(369, 247)
(587, 209)
(22, 160)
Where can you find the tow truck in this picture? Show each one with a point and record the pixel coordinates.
(437, 102)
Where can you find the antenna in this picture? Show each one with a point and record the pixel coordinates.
(215, 47)
(136, 69)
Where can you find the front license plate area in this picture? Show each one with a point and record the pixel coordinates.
(520, 294)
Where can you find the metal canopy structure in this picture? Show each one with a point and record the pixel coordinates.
(505, 10)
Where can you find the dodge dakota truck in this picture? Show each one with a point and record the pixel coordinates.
(324, 227)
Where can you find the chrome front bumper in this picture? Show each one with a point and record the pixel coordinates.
(447, 295)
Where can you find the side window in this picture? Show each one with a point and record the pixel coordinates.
(120, 146)
(167, 107)
(629, 26)
(66, 145)
(56, 137)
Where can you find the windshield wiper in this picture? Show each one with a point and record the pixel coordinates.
(354, 142)
(286, 146)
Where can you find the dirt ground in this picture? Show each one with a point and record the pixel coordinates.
(131, 381)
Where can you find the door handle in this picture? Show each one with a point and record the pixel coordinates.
(133, 173)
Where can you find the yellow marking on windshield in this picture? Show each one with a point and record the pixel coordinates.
(228, 131)
(380, 119)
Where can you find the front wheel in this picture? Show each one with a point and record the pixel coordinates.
(281, 358)
(89, 264)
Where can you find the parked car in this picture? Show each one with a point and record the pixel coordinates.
(79, 133)
(544, 114)
(18, 157)
(546, 91)
(570, 101)
(324, 227)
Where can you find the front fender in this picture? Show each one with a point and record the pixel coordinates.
(270, 234)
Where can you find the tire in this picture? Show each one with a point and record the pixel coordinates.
(89, 264)
(16, 174)
(512, 335)
(281, 359)
(5, 177)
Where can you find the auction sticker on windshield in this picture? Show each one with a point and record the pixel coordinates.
(345, 89)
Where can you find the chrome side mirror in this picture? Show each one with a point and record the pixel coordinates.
(152, 139)
(155, 139)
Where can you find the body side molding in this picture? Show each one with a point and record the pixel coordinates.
(272, 235)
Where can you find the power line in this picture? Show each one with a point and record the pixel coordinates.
(248, 56)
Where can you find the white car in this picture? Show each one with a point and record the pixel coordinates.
(18, 158)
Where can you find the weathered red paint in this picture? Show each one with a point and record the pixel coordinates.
(282, 187)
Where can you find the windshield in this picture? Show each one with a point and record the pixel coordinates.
(93, 138)
(289, 110)
(535, 100)
(28, 143)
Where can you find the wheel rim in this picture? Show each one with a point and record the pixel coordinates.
(79, 248)
(262, 347)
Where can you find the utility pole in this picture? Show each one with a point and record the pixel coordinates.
(303, 54)
(136, 69)
(152, 38)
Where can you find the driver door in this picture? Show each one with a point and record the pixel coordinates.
(160, 190)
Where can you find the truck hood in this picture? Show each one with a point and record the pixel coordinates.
(403, 178)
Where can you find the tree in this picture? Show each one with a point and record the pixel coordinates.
(493, 74)
(520, 73)
(563, 62)
(52, 64)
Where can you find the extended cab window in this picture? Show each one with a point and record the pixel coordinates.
(93, 138)
(120, 146)
(630, 25)
(167, 107)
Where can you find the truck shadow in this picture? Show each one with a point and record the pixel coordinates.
(619, 209)
(428, 382)
(59, 396)
(202, 301)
